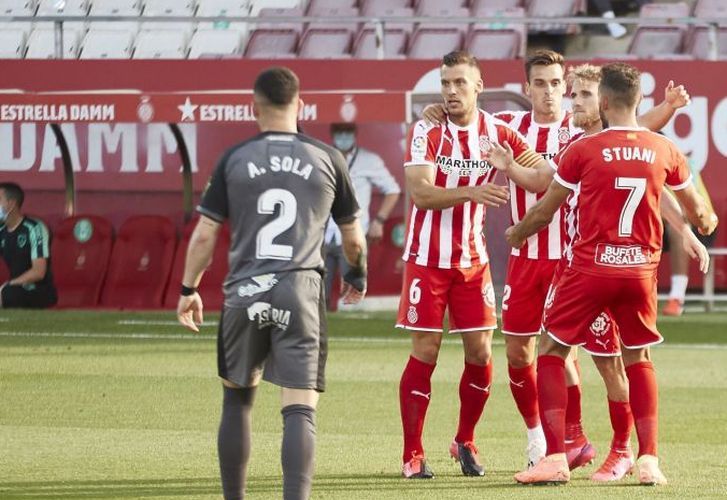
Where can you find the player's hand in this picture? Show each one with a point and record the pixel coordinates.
(436, 114)
(189, 311)
(712, 225)
(490, 195)
(375, 232)
(349, 295)
(512, 238)
(676, 97)
(695, 249)
(354, 285)
(502, 158)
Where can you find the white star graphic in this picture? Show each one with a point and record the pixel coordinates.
(187, 110)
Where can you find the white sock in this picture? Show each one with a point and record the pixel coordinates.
(678, 286)
(536, 433)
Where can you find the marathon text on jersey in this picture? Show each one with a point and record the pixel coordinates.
(463, 168)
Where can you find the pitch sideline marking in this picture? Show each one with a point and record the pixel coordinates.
(364, 340)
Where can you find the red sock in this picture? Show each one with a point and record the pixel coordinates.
(474, 389)
(573, 427)
(415, 390)
(622, 421)
(644, 399)
(552, 398)
(523, 385)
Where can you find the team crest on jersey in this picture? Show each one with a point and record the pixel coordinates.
(563, 135)
(488, 293)
(485, 144)
(412, 316)
(600, 325)
(22, 240)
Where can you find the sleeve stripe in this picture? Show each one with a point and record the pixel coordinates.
(419, 164)
(564, 183)
(528, 158)
(212, 215)
(683, 185)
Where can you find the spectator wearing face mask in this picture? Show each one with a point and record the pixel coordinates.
(368, 173)
(25, 247)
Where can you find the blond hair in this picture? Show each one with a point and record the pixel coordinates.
(586, 72)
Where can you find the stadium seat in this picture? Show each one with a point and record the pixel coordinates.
(405, 13)
(479, 5)
(272, 43)
(220, 42)
(25, 27)
(4, 273)
(257, 5)
(162, 44)
(552, 8)
(12, 43)
(115, 8)
(653, 39)
(169, 7)
(80, 252)
(395, 40)
(65, 8)
(141, 261)
(107, 44)
(430, 41)
(377, 7)
(42, 43)
(497, 40)
(698, 43)
(435, 8)
(293, 12)
(334, 12)
(710, 8)
(226, 8)
(18, 7)
(316, 5)
(210, 288)
(326, 42)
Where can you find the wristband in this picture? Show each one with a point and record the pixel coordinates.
(186, 291)
(356, 277)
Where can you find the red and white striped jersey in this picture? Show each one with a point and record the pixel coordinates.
(453, 237)
(547, 140)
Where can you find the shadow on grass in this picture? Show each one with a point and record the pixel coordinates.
(119, 488)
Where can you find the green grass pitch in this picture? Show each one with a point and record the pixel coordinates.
(126, 405)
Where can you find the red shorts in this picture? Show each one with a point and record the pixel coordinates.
(526, 287)
(467, 294)
(603, 338)
(576, 304)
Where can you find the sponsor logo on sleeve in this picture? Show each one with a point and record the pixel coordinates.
(419, 146)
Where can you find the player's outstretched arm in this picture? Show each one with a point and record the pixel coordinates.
(535, 178)
(538, 216)
(656, 118)
(354, 250)
(199, 255)
(673, 215)
(427, 196)
(697, 211)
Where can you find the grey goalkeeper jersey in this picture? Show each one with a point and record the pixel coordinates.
(277, 190)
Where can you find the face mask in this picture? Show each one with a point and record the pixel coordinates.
(3, 215)
(344, 141)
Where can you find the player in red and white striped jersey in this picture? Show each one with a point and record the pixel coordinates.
(447, 267)
(530, 269)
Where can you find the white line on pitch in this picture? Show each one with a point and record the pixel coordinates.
(158, 322)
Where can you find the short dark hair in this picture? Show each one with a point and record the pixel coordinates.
(461, 57)
(543, 57)
(278, 85)
(13, 192)
(621, 82)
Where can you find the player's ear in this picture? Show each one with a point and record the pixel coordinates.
(603, 102)
(255, 109)
(298, 106)
(527, 88)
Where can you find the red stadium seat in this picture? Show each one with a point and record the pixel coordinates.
(210, 288)
(141, 261)
(275, 40)
(430, 41)
(4, 272)
(710, 8)
(479, 5)
(326, 42)
(552, 8)
(437, 9)
(654, 39)
(377, 7)
(80, 252)
(316, 5)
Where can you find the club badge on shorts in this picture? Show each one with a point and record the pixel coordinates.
(412, 316)
(600, 325)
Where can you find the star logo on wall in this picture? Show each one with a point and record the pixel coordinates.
(187, 110)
